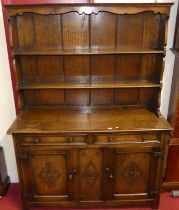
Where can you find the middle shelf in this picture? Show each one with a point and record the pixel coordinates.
(87, 51)
(71, 85)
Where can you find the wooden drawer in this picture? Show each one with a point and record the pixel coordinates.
(112, 138)
(48, 140)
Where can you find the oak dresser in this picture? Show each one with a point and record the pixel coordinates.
(89, 131)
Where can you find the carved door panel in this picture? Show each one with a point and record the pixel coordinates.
(50, 174)
(91, 180)
(134, 172)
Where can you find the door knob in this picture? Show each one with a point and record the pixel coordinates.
(111, 176)
(107, 169)
(71, 176)
(110, 139)
(70, 139)
(144, 138)
(74, 171)
(36, 140)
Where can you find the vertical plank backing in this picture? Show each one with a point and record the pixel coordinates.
(127, 67)
(76, 68)
(25, 31)
(127, 25)
(163, 31)
(44, 97)
(13, 33)
(28, 69)
(102, 97)
(146, 96)
(50, 68)
(78, 97)
(52, 97)
(151, 30)
(148, 67)
(75, 31)
(103, 28)
(102, 68)
(47, 31)
(104, 31)
(126, 96)
(31, 98)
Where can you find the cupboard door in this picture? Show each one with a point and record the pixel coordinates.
(134, 172)
(91, 180)
(47, 174)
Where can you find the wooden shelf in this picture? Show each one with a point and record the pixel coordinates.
(86, 52)
(56, 120)
(64, 85)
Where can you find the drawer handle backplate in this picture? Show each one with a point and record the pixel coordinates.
(36, 140)
(74, 171)
(144, 138)
(110, 139)
(70, 139)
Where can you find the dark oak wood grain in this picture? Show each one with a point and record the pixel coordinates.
(53, 120)
(70, 85)
(87, 52)
(89, 133)
(122, 8)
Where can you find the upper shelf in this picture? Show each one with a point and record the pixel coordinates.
(67, 85)
(85, 52)
(119, 8)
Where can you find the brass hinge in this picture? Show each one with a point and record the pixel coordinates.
(154, 192)
(158, 154)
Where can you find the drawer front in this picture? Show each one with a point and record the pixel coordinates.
(112, 138)
(60, 140)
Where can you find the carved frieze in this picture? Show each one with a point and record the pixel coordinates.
(91, 173)
(131, 173)
(49, 174)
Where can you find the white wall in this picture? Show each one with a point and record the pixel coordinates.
(7, 110)
(169, 62)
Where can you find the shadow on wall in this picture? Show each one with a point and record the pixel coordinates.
(7, 108)
(7, 144)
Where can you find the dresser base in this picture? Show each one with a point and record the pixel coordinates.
(123, 203)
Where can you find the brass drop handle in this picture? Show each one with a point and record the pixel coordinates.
(70, 139)
(144, 138)
(71, 176)
(36, 140)
(110, 139)
(111, 176)
(107, 169)
(74, 171)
